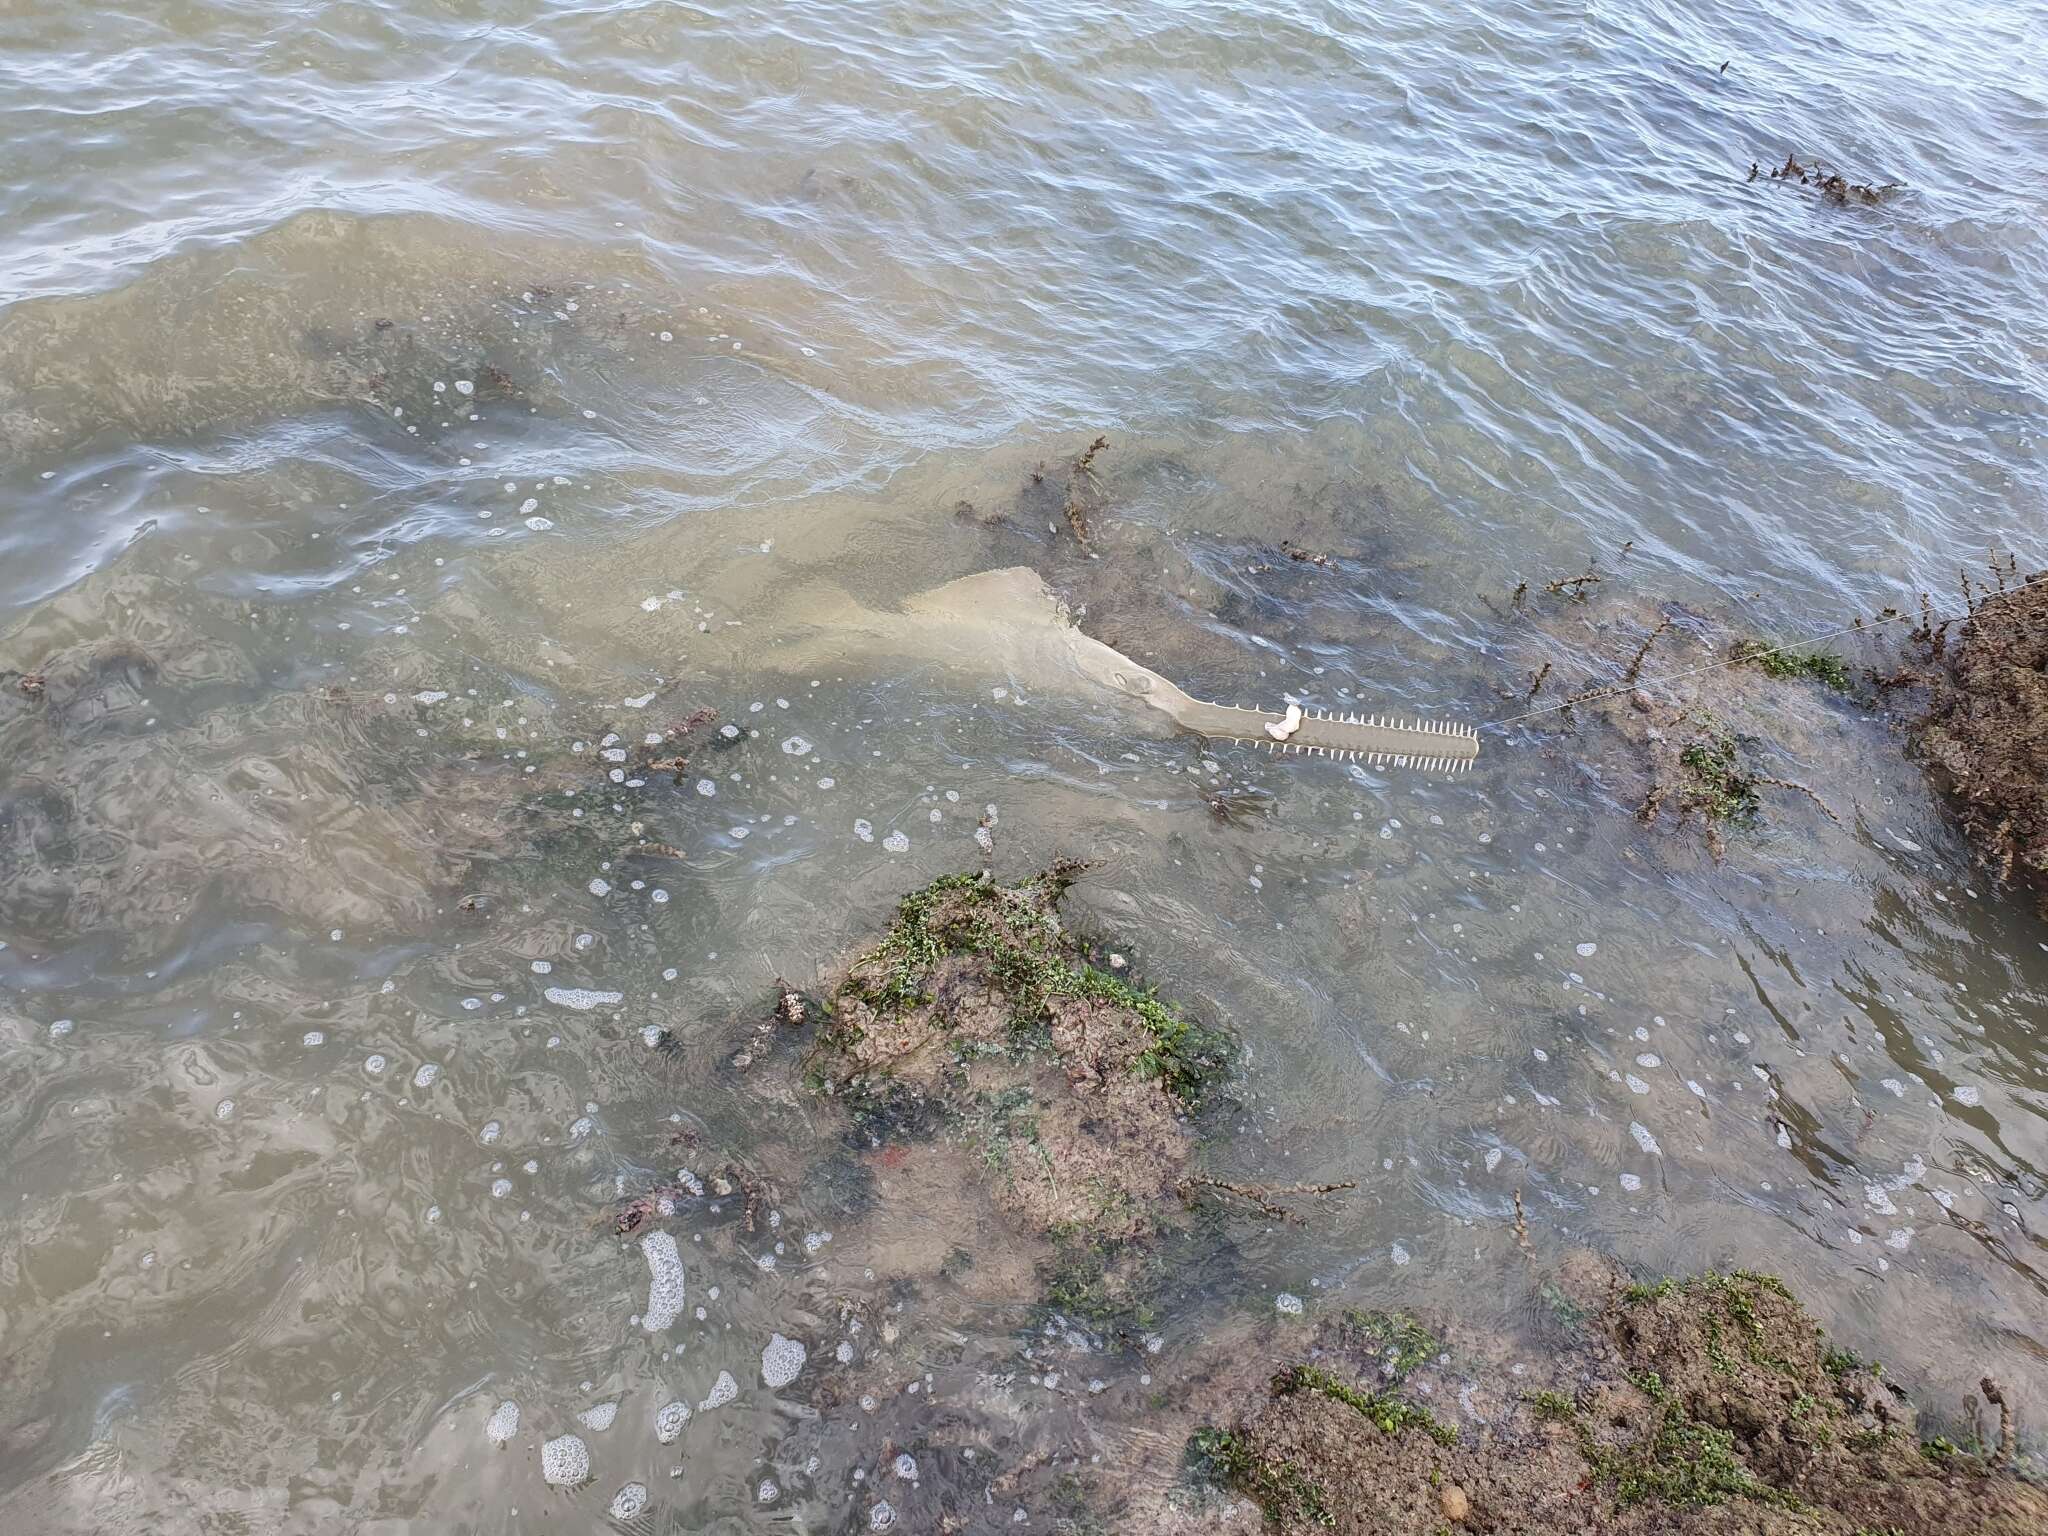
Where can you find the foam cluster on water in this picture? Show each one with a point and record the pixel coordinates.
(723, 1391)
(669, 1421)
(504, 1422)
(598, 1417)
(581, 998)
(565, 1461)
(629, 1501)
(664, 1281)
(781, 1360)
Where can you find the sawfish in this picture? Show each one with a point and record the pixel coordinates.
(1009, 621)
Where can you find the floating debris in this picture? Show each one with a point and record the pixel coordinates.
(1832, 185)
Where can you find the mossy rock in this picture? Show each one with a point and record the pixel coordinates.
(1709, 1405)
(978, 1016)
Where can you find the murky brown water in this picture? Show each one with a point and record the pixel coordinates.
(396, 404)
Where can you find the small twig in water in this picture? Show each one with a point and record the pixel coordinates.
(1636, 666)
(695, 719)
(1264, 1196)
(1798, 788)
(1521, 591)
(1536, 683)
(1653, 802)
(1305, 556)
(790, 1007)
(1521, 1224)
(1992, 1395)
(1572, 586)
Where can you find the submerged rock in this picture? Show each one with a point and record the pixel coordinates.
(1070, 1087)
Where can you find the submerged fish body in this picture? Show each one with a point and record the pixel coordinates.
(1009, 622)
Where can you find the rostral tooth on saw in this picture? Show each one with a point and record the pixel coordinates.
(1375, 739)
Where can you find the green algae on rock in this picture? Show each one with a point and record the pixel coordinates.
(979, 1015)
(1709, 1405)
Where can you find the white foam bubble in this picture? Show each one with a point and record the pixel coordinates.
(1287, 1304)
(669, 1422)
(864, 830)
(896, 842)
(313, 1037)
(664, 1281)
(796, 746)
(565, 1461)
(1644, 1139)
(723, 1391)
(629, 1501)
(597, 1418)
(424, 1077)
(781, 1359)
(581, 998)
(504, 1422)
(1968, 1096)
(882, 1516)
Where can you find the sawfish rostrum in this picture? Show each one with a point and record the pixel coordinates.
(1008, 622)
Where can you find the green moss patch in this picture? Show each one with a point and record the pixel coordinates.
(1819, 666)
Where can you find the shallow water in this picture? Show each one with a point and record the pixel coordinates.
(395, 402)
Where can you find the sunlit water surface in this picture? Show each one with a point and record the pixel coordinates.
(398, 401)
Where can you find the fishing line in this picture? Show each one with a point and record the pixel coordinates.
(1861, 627)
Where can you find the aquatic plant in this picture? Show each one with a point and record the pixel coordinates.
(1820, 666)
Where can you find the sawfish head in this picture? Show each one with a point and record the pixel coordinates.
(1002, 623)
